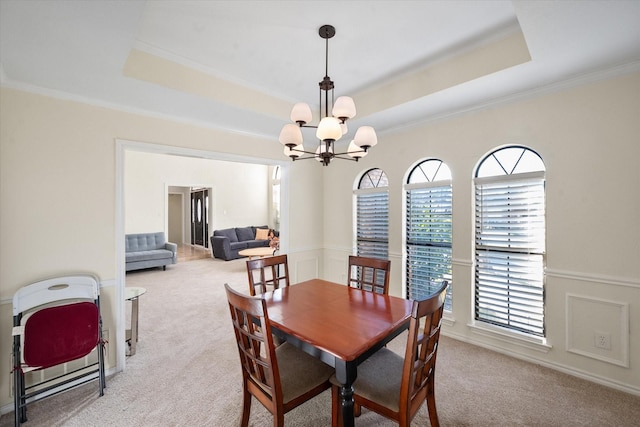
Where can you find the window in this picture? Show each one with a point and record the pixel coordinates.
(428, 229)
(510, 240)
(372, 215)
(275, 197)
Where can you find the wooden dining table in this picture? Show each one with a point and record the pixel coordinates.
(340, 325)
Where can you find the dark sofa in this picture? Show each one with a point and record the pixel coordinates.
(226, 243)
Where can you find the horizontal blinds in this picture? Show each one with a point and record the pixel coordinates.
(428, 241)
(510, 246)
(373, 224)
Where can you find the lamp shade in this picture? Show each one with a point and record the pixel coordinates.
(365, 137)
(290, 135)
(329, 128)
(301, 113)
(344, 108)
(355, 151)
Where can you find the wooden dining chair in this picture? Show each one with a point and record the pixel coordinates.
(282, 377)
(395, 386)
(267, 273)
(370, 274)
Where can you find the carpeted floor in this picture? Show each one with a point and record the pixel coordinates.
(186, 373)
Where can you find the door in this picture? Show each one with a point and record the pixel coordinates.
(199, 217)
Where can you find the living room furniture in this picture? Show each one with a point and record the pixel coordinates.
(227, 243)
(265, 272)
(56, 321)
(257, 252)
(281, 377)
(133, 293)
(147, 250)
(334, 330)
(370, 274)
(395, 386)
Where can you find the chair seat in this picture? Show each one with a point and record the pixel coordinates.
(379, 379)
(299, 371)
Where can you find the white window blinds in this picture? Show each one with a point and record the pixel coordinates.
(372, 233)
(428, 240)
(510, 249)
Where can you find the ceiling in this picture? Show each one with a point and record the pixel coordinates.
(241, 65)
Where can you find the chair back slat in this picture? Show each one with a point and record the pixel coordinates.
(422, 345)
(254, 342)
(267, 273)
(369, 274)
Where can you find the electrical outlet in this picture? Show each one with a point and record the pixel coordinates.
(602, 340)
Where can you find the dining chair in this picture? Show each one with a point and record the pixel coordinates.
(370, 274)
(395, 386)
(270, 271)
(281, 377)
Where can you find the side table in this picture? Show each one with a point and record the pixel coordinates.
(132, 294)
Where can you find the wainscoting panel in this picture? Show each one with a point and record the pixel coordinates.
(305, 269)
(598, 329)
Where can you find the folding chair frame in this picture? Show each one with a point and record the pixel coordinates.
(55, 292)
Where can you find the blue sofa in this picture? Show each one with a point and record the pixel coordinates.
(146, 250)
(226, 243)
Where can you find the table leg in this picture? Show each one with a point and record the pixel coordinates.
(134, 326)
(346, 373)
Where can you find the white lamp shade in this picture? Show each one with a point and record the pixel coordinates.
(295, 152)
(329, 128)
(355, 151)
(301, 113)
(290, 135)
(344, 108)
(365, 137)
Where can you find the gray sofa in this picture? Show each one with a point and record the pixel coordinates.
(226, 243)
(146, 250)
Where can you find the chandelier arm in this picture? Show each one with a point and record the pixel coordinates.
(346, 153)
(303, 158)
(339, 156)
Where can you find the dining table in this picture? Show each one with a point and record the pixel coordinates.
(340, 325)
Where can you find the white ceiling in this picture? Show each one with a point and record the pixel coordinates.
(79, 49)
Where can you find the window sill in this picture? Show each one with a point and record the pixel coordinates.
(511, 337)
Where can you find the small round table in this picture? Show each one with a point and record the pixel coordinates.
(257, 252)
(132, 293)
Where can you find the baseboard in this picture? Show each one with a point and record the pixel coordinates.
(607, 382)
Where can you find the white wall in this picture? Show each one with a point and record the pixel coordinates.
(589, 139)
(239, 194)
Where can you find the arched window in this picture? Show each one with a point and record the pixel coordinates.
(510, 240)
(428, 229)
(372, 215)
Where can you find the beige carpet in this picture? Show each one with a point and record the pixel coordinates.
(186, 373)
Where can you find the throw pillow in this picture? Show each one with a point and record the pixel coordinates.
(262, 233)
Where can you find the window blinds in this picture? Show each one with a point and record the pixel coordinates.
(510, 249)
(428, 234)
(373, 224)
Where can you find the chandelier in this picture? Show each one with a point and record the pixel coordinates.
(330, 128)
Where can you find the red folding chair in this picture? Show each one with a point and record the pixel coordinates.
(56, 321)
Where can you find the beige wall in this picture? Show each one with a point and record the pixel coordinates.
(58, 180)
(589, 138)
